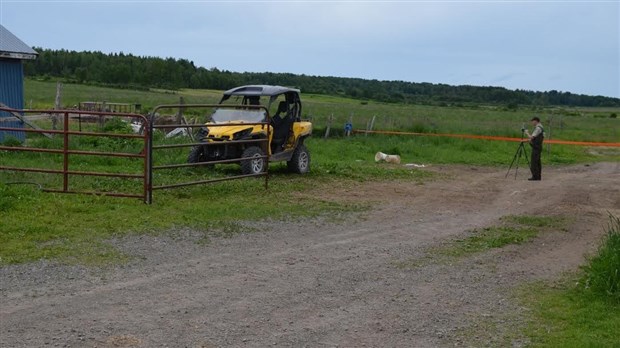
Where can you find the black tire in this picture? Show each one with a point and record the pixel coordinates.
(253, 166)
(197, 154)
(300, 162)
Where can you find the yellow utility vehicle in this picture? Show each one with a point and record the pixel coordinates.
(240, 105)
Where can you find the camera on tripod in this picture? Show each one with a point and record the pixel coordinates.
(521, 152)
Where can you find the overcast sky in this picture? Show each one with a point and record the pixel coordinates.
(534, 45)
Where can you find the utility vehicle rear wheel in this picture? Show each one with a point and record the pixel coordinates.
(300, 162)
(257, 164)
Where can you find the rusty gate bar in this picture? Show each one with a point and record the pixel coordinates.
(170, 146)
(65, 158)
(70, 132)
(98, 193)
(208, 181)
(70, 172)
(183, 165)
(66, 152)
(73, 152)
(12, 148)
(151, 147)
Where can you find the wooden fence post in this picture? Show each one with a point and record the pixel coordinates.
(102, 118)
(179, 115)
(57, 104)
(549, 145)
(370, 124)
(330, 119)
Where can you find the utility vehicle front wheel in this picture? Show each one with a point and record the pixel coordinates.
(197, 154)
(257, 164)
(300, 162)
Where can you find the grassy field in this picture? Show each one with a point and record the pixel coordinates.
(585, 124)
(71, 228)
(41, 95)
(566, 124)
(86, 221)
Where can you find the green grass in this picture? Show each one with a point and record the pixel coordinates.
(72, 228)
(513, 230)
(328, 162)
(568, 124)
(433, 150)
(41, 95)
(553, 222)
(602, 272)
(582, 310)
(489, 238)
(37, 225)
(563, 316)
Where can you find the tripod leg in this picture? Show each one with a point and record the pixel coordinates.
(518, 159)
(514, 158)
(527, 157)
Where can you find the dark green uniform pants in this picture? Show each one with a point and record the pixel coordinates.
(535, 165)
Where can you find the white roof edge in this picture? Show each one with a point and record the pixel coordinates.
(12, 47)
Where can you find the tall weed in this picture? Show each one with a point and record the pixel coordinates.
(602, 272)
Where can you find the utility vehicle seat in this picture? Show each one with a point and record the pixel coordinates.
(281, 123)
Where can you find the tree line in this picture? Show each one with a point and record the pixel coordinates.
(130, 71)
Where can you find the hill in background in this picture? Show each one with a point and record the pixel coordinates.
(129, 71)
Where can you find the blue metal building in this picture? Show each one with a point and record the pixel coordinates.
(12, 52)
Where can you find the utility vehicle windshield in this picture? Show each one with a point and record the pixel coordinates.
(234, 115)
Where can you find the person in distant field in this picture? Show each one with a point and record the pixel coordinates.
(536, 142)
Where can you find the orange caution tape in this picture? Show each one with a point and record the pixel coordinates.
(489, 137)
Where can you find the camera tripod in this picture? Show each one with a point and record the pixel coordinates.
(521, 151)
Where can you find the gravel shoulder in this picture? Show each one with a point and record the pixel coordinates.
(324, 282)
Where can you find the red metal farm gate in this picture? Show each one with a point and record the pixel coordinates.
(149, 150)
(64, 148)
(158, 148)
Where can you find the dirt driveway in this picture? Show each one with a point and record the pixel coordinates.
(324, 282)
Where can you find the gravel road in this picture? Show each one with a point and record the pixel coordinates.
(349, 282)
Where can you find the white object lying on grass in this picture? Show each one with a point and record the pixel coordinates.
(136, 127)
(380, 156)
(415, 165)
(177, 131)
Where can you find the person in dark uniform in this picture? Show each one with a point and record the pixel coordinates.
(536, 142)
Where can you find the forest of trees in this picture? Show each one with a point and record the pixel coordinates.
(129, 71)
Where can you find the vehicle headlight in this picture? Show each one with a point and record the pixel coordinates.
(242, 134)
(203, 132)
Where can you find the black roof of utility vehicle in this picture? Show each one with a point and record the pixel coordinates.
(259, 90)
